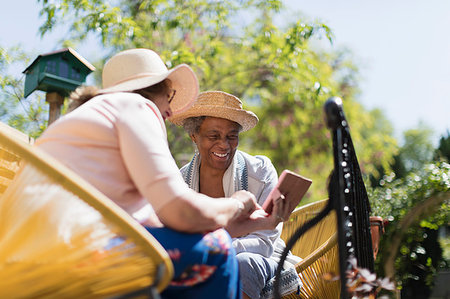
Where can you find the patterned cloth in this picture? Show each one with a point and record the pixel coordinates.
(205, 265)
(288, 284)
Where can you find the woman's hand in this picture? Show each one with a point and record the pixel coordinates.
(259, 219)
(280, 211)
(246, 224)
(246, 204)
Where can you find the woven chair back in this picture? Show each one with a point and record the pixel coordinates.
(62, 238)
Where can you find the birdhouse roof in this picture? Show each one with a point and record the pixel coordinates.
(69, 50)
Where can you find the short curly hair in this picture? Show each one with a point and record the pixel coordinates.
(192, 124)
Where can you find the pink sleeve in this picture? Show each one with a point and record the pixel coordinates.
(146, 155)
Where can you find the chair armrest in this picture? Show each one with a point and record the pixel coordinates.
(318, 253)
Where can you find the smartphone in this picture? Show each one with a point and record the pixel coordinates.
(292, 185)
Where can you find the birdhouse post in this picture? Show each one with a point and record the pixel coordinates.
(57, 73)
(55, 101)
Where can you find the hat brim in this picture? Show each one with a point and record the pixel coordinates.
(183, 81)
(246, 119)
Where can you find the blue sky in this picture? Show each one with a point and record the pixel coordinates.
(401, 46)
(403, 50)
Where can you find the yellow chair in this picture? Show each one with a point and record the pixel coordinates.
(9, 161)
(319, 250)
(62, 238)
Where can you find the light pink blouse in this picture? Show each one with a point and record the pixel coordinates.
(118, 143)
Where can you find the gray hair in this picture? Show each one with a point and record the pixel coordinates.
(192, 124)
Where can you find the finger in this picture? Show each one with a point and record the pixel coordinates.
(280, 218)
(279, 200)
(276, 207)
(248, 199)
(279, 205)
(283, 209)
(277, 211)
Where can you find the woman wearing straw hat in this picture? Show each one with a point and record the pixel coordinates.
(218, 169)
(116, 139)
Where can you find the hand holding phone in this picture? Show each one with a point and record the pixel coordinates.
(292, 186)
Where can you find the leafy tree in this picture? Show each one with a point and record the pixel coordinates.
(236, 47)
(443, 150)
(27, 115)
(411, 199)
(416, 206)
(417, 149)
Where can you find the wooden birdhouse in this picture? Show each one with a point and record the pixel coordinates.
(58, 73)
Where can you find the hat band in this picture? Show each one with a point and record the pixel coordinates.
(140, 75)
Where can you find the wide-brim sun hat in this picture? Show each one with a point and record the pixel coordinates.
(218, 104)
(135, 69)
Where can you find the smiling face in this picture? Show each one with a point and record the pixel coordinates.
(217, 140)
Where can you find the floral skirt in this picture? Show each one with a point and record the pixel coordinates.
(205, 264)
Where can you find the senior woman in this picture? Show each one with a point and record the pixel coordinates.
(116, 139)
(218, 169)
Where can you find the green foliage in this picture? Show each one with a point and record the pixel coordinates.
(138, 23)
(417, 149)
(27, 115)
(234, 46)
(413, 183)
(443, 150)
(399, 195)
(420, 255)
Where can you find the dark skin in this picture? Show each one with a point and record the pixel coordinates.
(217, 140)
(162, 100)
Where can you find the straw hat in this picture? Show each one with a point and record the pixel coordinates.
(218, 104)
(139, 68)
